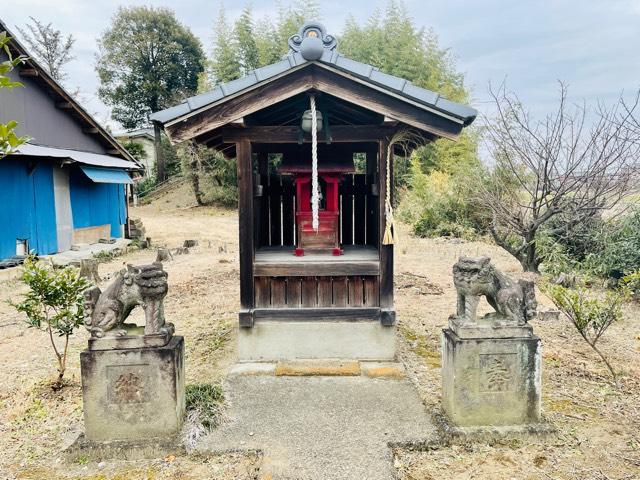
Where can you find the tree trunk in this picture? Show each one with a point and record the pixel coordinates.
(195, 185)
(160, 164)
(529, 258)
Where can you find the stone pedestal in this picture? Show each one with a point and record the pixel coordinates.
(132, 394)
(490, 375)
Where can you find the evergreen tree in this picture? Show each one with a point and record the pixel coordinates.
(47, 44)
(253, 44)
(225, 63)
(391, 42)
(245, 36)
(147, 61)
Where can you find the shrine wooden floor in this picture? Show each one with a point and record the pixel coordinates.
(280, 261)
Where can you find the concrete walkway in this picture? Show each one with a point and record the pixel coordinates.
(321, 427)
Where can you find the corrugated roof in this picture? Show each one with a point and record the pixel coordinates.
(140, 132)
(331, 59)
(85, 158)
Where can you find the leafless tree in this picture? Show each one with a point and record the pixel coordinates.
(569, 165)
(49, 47)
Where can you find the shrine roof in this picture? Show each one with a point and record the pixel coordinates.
(312, 45)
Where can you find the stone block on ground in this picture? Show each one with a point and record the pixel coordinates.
(491, 382)
(383, 369)
(253, 369)
(302, 368)
(133, 394)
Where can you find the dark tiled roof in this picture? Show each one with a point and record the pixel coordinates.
(333, 60)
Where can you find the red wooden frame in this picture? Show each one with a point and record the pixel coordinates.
(327, 237)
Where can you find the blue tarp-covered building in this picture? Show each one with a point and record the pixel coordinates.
(68, 184)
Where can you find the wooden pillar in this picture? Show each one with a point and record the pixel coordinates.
(387, 309)
(245, 223)
(372, 195)
(372, 160)
(157, 145)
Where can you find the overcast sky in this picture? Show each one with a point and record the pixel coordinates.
(592, 45)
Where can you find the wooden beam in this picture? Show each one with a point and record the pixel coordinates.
(246, 241)
(357, 314)
(28, 72)
(91, 130)
(240, 106)
(64, 105)
(282, 134)
(295, 149)
(386, 251)
(299, 269)
(355, 92)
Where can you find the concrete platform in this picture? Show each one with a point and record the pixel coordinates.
(321, 427)
(269, 341)
(71, 257)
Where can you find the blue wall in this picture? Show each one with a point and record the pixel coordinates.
(27, 205)
(27, 208)
(94, 204)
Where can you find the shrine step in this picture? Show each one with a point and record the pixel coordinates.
(319, 368)
(298, 340)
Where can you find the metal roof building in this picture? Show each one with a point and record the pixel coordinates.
(68, 183)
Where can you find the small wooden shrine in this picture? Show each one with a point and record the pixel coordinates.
(313, 136)
(331, 172)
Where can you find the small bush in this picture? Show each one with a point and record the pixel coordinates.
(54, 303)
(589, 315)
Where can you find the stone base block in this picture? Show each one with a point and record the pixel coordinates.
(491, 381)
(82, 449)
(133, 394)
(290, 340)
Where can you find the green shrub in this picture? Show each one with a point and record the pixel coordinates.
(146, 185)
(555, 259)
(577, 241)
(439, 203)
(632, 283)
(617, 251)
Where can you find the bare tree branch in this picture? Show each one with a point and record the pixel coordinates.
(565, 165)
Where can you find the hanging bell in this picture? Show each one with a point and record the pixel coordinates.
(306, 121)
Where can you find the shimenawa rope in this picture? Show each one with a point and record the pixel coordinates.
(314, 166)
(389, 231)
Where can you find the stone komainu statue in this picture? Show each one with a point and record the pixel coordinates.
(144, 285)
(474, 277)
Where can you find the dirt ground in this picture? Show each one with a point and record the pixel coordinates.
(598, 425)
